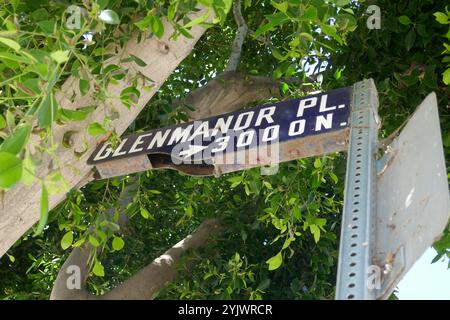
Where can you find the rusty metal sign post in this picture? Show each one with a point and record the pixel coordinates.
(394, 207)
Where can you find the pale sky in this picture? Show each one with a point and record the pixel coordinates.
(426, 281)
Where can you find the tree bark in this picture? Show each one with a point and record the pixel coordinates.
(19, 210)
(145, 283)
(79, 256)
(151, 279)
(228, 92)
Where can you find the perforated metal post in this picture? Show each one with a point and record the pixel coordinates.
(360, 198)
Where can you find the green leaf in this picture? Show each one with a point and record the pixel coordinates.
(96, 129)
(76, 115)
(283, 6)
(15, 143)
(93, 240)
(98, 269)
(144, 213)
(441, 17)
(310, 14)
(138, 61)
(198, 20)
(60, 56)
(317, 163)
(337, 74)
(277, 54)
(333, 177)
(118, 243)
(84, 86)
(296, 213)
(11, 258)
(274, 20)
(144, 23)
(172, 10)
(109, 17)
(10, 43)
(184, 32)
(342, 3)
(44, 212)
(315, 231)
(188, 211)
(28, 172)
(47, 26)
(410, 39)
(235, 181)
(331, 31)
(10, 119)
(129, 95)
(404, 20)
(47, 111)
(10, 170)
(79, 243)
(446, 76)
(287, 242)
(2, 122)
(157, 26)
(102, 3)
(275, 262)
(306, 36)
(263, 285)
(67, 240)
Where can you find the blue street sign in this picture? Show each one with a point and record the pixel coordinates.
(231, 132)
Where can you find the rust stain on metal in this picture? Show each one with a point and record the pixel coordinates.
(309, 146)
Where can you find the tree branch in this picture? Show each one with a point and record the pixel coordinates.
(231, 91)
(241, 33)
(151, 279)
(79, 256)
(145, 283)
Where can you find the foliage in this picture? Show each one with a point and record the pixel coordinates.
(281, 234)
(444, 18)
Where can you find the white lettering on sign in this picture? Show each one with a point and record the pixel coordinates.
(222, 126)
(139, 141)
(100, 156)
(266, 114)
(277, 122)
(222, 142)
(271, 133)
(312, 102)
(159, 139)
(296, 128)
(202, 130)
(248, 118)
(119, 151)
(322, 122)
(245, 138)
(180, 135)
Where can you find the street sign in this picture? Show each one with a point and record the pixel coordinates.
(395, 208)
(413, 202)
(319, 122)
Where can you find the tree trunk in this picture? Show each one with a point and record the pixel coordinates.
(145, 283)
(19, 210)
